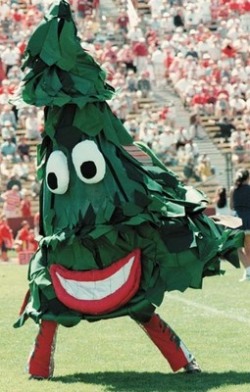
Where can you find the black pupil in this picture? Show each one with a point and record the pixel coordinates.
(88, 169)
(52, 181)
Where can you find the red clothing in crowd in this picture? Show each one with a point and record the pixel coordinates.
(229, 51)
(164, 113)
(2, 72)
(199, 99)
(108, 54)
(25, 208)
(223, 91)
(32, 242)
(6, 236)
(246, 6)
(7, 89)
(21, 46)
(123, 21)
(168, 60)
(23, 234)
(22, 237)
(17, 16)
(235, 6)
(86, 6)
(140, 49)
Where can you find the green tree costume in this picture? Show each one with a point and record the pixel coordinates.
(118, 228)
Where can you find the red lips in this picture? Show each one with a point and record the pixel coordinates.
(98, 291)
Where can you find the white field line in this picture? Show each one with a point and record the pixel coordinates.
(209, 309)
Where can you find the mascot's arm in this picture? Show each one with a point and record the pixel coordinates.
(43, 293)
(41, 302)
(39, 277)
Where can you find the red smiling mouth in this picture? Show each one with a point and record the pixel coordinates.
(98, 291)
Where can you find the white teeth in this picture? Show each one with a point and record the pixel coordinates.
(96, 290)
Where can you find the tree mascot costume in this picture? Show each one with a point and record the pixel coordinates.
(118, 228)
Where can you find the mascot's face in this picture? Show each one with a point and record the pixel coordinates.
(84, 189)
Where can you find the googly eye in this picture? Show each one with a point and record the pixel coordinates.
(89, 162)
(57, 173)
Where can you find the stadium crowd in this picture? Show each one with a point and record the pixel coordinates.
(200, 48)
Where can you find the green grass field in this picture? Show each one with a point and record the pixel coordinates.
(116, 355)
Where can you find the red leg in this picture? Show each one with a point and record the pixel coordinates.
(166, 340)
(41, 363)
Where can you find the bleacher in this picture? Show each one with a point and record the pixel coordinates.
(212, 130)
(143, 7)
(26, 184)
(209, 187)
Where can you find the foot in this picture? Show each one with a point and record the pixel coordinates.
(192, 367)
(39, 378)
(245, 278)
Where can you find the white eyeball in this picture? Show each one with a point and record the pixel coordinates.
(89, 162)
(57, 173)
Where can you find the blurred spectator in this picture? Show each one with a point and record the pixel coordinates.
(158, 61)
(226, 127)
(178, 18)
(237, 105)
(32, 241)
(36, 222)
(8, 132)
(12, 202)
(192, 150)
(6, 114)
(35, 188)
(238, 136)
(190, 171)
(221, 107)
(26, 205)
(21, 170)
(22, 115)
(131, 81)
(13, 180)
(2, 72)
(125, 56)
(182, 136)
(196, 130)
(135, 34)
(204, 169)
(221, 202)
(22, 237)
(238, 148)
(15, 73)
(108, 53)
(5, 91)
(144, 85)
(123, 20)
(240, 203)
(8, 149)
(132, 127)
(10, 57)
(6, 238)
(23, 150)
(32, 127)
(155, 7)
(140, 51)
(5, 168)
(166, 140)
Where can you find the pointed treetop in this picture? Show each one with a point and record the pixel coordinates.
(58, 70)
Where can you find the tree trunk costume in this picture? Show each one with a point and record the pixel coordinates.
(118, 228)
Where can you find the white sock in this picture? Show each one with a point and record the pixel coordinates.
(248, 271)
